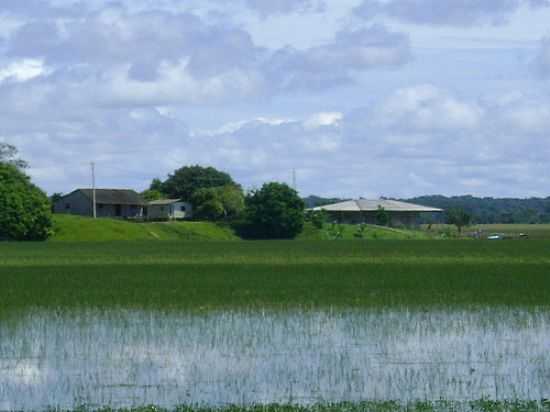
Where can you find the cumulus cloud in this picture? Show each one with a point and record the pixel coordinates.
(448, 12)
(335, 63)
(114, 56)
(415, 140)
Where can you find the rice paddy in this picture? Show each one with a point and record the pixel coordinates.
(294, 326)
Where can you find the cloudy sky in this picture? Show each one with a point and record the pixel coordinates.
(361, 97)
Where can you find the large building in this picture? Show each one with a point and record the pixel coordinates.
(118, 203)
(366, 211)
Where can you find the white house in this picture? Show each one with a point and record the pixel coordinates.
(169, 209)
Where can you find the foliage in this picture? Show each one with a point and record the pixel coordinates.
(274, 212)
(459, 218)
(382, 217)
(317, 217)
(217, 203)
(25, 211)
(184, 182)
(490, 210)
(151, 194)
(8, 154)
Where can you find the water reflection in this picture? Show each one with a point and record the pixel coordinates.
(132, 358)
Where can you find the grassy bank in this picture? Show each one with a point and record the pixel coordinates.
(274, 274)
(81, 229)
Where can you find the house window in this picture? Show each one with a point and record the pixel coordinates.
(100, 206)
(183, 209)
(67, 206)
(162, 208)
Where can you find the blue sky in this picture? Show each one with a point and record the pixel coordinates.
(362, 97)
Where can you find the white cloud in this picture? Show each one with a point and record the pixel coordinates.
(22, 70)
(323, 119)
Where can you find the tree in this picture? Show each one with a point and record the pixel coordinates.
(382, 217)
(24, 209)
(459, 218)
(216, 203)
(8, 154)
(184, 182)
(151, 194)
(274, 212)
(156, 185)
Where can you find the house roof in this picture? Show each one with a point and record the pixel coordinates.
(114, 196)
(163, 202)
(365, 205)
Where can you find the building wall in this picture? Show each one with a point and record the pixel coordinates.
(120, 211)
(396, 218)
(171, 211)
(74, 203)
(77, 204)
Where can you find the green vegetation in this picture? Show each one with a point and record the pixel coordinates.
(197, 275)
(331, 231)
(25, 211)
(538, 232)
(273, 212)
(488, 210)
(77, 229)
(184, 182)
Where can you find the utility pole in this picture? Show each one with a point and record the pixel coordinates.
(94, 209)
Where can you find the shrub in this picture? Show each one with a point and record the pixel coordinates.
(274, 212)
(25, 211)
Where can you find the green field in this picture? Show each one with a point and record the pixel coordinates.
(274, 273)
(537, 232)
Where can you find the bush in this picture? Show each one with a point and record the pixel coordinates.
(25, 211)
(273, 212)
(318, 218)
(382, 217)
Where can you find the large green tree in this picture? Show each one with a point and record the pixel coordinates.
(217, 203)
(274, 212)
(25, 211)
(184, 182)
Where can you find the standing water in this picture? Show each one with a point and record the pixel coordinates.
(128, 358)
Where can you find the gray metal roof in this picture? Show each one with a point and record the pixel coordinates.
(114, 196)
(163, 202)
(365, 205)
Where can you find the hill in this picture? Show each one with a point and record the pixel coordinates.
(76, 228)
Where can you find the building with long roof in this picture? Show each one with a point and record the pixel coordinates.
(366, 211)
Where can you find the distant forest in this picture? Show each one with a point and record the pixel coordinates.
(484, 210)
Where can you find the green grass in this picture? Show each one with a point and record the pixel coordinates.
(371, 232)
(537, 232)
(76, 229)
(220, 275)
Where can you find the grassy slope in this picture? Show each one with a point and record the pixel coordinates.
(204, 275)
(76, 228)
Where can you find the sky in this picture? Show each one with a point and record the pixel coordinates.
(362, 98)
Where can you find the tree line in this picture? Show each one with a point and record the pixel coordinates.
(274, 211)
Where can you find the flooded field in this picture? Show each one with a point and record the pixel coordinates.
(128, 358)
